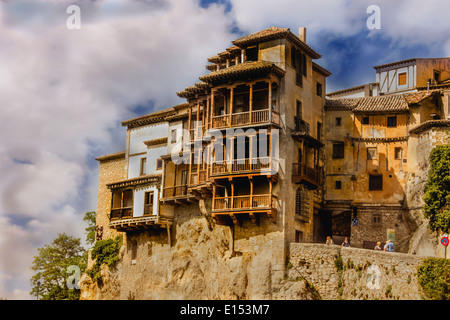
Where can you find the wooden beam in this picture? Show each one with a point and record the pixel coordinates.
(169, 238)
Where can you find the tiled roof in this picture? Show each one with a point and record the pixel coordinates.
(271, 34)
(394, 63)
(199, 87)
(379, 104)
(321, 69)
(154, 117)
(257, 68)
(416, 97)
(340, 104)
(430, 124)
(392, 103)
(360, 87)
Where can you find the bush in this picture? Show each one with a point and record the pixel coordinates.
(434, 277)
(104, 252)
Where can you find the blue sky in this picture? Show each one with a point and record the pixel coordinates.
(64, 92)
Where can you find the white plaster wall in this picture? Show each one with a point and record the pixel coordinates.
(174, 147)
(154, 153)
(138, 200)
(141, 134)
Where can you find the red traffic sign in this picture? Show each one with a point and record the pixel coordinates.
(444, 241)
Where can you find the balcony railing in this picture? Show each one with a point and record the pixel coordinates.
(302, 172)
(148, 209)
(246, 118)
(247, 202)
(176, 191)
(197, 177)
(243, 166)
(121, 213)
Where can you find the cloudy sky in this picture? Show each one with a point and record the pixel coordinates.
(64, 92)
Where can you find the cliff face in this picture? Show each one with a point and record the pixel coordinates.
(199, 265)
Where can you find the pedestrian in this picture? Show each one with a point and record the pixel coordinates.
(345, 243)
(389, 246)
(378, 246)
(329, 240)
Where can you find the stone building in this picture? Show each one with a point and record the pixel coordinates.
(373, 135)
(260, 154)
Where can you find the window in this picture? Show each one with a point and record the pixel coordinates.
(398, 152)
(338, 150)
(159, 164)
(319, 89)
(376, 219)
(365, 120)
(436, 75)
(143, 169)
(252, 53)
(338, 185)
(375, 182)
(392, 121)
(298, 236)
(148, 203)
(372, 153)
(338, 122)
(301, 204)
(402, 79)
(173, 136)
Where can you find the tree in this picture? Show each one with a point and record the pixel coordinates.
(51, 265)
(90, 219)
(437, 189)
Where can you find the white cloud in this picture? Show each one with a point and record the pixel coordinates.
(64, 92)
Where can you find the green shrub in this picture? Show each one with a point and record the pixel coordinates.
(434, 277)
(104, 252)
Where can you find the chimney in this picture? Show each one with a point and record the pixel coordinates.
(302, 34)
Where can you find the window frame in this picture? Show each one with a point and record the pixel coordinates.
(338, 153)
(389, 124)
(404, 77)
(375, 185)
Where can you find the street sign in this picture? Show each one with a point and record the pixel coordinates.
(444, 241)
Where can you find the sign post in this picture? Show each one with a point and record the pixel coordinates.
(444, 242)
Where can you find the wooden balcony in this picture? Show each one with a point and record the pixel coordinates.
(246, 118)
(121, 213)
(261, 165)
(176, 194)
(140, 223)
(302, 173)
(247, 204)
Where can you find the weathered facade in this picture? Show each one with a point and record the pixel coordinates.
(259, 157)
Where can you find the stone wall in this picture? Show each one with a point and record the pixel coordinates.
(365, 274)
(111, 170)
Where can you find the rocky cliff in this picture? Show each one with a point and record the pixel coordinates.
(200, 264)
